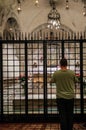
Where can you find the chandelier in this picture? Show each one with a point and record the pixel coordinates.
(54, 19)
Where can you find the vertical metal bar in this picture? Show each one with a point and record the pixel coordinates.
(63, 48)
(45, 75)
(81, 75)
(1, 82)
(26, 78)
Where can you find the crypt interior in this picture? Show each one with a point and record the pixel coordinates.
(34, 35)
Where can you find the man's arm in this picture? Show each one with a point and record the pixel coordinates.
(77, 78)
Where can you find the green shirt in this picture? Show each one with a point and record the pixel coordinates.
(65, 83)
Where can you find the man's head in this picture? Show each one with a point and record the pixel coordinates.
(63, 62)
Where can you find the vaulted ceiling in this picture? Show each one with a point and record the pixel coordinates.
(7, 6)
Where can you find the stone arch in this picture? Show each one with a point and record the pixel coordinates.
(43, 28)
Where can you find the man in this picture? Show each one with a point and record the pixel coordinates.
(65, 83)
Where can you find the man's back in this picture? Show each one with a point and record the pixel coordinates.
(65, 83)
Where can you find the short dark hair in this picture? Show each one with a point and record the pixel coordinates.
(63, 62)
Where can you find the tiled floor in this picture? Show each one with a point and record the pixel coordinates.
(35, 126)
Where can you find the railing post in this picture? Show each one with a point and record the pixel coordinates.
(45, 75)
(26, 78)
(1, 81)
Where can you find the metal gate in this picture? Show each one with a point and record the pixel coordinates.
(26, 67)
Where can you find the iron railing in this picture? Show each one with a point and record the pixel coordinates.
(26, 66)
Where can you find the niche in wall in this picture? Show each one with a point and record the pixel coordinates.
(11, 27)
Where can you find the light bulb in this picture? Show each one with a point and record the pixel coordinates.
(19, 8)
(54, 23)
(84, 10)
(67, 7)
(84, 13)
(10, 28)
(48, 26)
(37, 3)
(67, 4)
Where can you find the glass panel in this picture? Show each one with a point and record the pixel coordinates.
(35, 79)
(53, 56)
(12, 70)
(14, 96)
(72, 53)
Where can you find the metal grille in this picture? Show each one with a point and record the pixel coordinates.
(26, 68)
